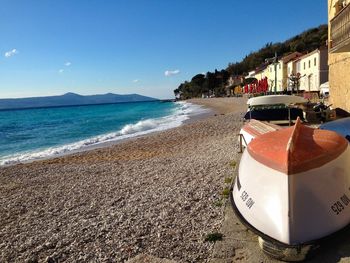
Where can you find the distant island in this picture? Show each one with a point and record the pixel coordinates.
(70, 99)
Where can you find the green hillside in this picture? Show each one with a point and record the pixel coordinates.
(214, 82)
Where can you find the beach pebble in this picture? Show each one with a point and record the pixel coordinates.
(152, 195)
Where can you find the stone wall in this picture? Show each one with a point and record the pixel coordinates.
(339, 68)
(339, 80)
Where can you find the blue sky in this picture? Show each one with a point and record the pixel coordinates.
(126, 46)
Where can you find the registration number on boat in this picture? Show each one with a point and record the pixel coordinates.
(249, 202)
(340, 204)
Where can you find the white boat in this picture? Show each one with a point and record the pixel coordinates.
(255, 128)
(275, 108)
(293, 189)
(275, 99)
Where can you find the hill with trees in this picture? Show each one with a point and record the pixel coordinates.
(214, 82)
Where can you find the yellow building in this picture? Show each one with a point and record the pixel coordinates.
(339, 53)
(282, 72)
(261, 73)
(271, 76)
(266, 73)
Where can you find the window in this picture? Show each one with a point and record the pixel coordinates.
(304, 65)
(279, 66)
(315, 62)
(309, 63)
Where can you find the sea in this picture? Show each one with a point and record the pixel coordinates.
(40, 133)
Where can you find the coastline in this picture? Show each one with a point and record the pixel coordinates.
(191, 112)
(155, 194)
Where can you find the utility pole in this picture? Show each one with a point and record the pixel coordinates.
(274, 60)
(275, 64)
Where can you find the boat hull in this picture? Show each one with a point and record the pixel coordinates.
(293, 209)
(275, 99)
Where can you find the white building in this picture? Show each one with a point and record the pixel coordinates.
(312, 68)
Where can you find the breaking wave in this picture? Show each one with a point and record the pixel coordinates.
(142, 127)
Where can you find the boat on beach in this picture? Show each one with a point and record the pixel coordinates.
(293, 189)
(275, 108)
(275, 99)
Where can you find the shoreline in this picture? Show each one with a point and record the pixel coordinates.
(159, 194)
(192, 117)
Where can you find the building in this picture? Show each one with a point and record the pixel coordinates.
(232, 83)
(339, 53)
(272, 75)
(261, 72)
(312, 69)
(281, 72)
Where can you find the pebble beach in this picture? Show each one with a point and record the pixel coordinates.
(157, 195)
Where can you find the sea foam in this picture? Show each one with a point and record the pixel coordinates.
(142, 127)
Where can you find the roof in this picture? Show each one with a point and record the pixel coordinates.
(261, 68)
(291, 56)
(308, 54)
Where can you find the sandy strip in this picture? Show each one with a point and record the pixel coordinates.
(222, 105)
(155, 195)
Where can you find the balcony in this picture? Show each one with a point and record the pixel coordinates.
(340, 31)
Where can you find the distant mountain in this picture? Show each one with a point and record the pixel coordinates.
(70, 99)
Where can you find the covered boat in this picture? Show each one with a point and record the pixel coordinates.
(275, 99)
(274, 108)
(293, 188)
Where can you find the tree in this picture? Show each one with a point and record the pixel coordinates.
(295, 79)
(214, 82)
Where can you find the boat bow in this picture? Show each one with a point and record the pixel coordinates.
(295, 184)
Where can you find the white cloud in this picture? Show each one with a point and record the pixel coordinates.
(11, 53)
(169, 73)
(135, 80)
(61, 71)
(67, 64)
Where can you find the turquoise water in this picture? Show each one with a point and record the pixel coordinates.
(40, 133)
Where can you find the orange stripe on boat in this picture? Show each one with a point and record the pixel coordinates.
(297, 149)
